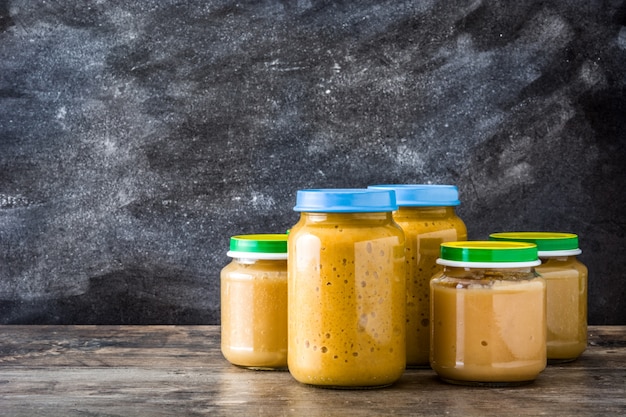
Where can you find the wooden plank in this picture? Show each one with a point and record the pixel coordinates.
(134, 346)
(179, 370)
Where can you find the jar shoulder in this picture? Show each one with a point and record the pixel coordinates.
(566, 263)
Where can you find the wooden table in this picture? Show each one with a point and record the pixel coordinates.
(179, 370)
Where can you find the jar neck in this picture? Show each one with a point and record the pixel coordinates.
(428, 211)
(489, 273)
(356, 218)
(250, 261)
(558, 259)
(563, 257)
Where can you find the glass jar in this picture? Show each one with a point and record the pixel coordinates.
(347, 301)
(488, 311)
(566, 281)
(427, 215)
(254, 302)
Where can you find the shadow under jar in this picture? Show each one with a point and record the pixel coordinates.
(488, 311)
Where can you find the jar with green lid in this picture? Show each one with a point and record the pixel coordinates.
(427, 215)
(488, 312)
(566, 281)
(347, 301)
(254, 302)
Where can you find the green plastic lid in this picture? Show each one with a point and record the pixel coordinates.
(488, 254)
(548, 243)
(423, 195)
(345, 200)
(259, 246)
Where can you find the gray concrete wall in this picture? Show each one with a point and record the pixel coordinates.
(137, 136)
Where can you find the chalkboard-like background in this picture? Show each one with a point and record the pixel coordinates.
(137, 136)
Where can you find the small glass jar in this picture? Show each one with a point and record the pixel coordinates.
(566, 281)
(347, 301)
(427, 215)
(488, 311)
(254, 302)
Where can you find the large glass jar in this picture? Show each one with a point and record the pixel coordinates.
(488, 311)
(346, 289)
(254, 302)
(566, 281)
(427, 215)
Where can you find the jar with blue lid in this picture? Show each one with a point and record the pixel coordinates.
(427, 215)
(347, 300)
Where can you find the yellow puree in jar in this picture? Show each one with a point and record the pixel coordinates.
(353, 298)
(254, 313)
(489, 333)
(425, 229)
(566, 284)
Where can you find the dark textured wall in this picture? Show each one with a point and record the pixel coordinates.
(137, 136)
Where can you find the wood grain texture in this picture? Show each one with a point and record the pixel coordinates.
(179, 370)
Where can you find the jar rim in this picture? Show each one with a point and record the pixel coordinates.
(259, 246)
(423, 195)
(488, 254)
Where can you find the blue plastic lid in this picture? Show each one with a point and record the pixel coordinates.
(345, 200)
(423, 195)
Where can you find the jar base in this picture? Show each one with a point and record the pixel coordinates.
(345, 387)
(558, 361)
(263, 368)
(488, 384)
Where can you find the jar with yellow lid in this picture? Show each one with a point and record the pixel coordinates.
(254, 302)
(488, 312)
(427, 215)
(347, 301)
(566, 281)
